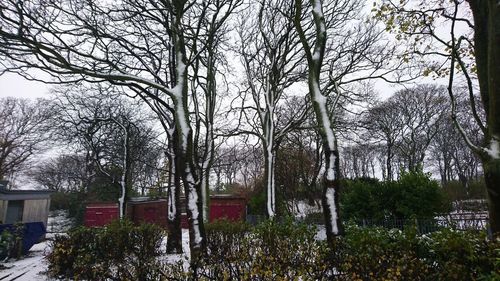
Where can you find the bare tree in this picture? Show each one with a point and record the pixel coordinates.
(23, 133)
(470, 57)
(384, 124)
(269, 49)
(450, 152)
(341, 48)
(62, 174)
(146, 46)
(422, 110)
(106, 125)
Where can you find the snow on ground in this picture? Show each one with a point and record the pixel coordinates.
(302, 208)
(31, 267)
(59, 222)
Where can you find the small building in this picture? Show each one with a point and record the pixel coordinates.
(143, 209)
(24, 206)
(100, 214)
(227, 206)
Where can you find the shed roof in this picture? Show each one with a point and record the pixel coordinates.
(6, 194)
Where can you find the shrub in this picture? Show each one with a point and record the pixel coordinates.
(11, 242)
(461, 255)
(415, 194)
(288, 251)
(121, 251)
(381, 254)
(6, 244)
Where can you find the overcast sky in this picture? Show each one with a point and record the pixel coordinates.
(14, 85)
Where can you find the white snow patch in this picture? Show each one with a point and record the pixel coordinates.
(59, 222)
(29, 268)
(179, 108)
(301, 208)
(330, 199)
(494, 149)
(192, 205)
(315, 56)
(172, 211)
(321, 100)
(317, 8)
(330, 170)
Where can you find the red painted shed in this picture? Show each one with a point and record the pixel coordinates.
(148, 211)
(100, 214)
(227, 207)
(139, 210)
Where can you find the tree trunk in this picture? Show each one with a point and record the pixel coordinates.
(122, 201)
(486, 15)
(269, 164)
(492, 180)
(183, 146)
(174, 241)
(389, 162)
(330, 200)
(319, 102)
(492, 165)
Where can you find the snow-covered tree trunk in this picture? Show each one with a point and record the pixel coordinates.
(323, 118)
(269, 174)
(269, 150)
(183, 149)
(174, 241)
(125, 170)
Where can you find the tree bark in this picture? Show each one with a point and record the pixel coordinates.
(174, 241)
(486, 15)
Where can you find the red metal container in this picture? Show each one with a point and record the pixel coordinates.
(100, 214)
(154, 212)
(139, 210)
(227, 207)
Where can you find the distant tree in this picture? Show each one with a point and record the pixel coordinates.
(421, 113)
(62, 174)
(269, 50)
(359, 161)
(99, 120)
(23, 133)
(385, 125)
(450, 153)
(145, 46)
(468, 53)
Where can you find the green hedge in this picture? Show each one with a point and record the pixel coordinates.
(120, 251)
(289, 251)
(284, 250)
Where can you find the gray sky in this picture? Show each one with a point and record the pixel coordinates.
(14, 85)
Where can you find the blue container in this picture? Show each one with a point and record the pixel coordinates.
(32, 233)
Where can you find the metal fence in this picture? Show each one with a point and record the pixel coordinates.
(457, 221)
